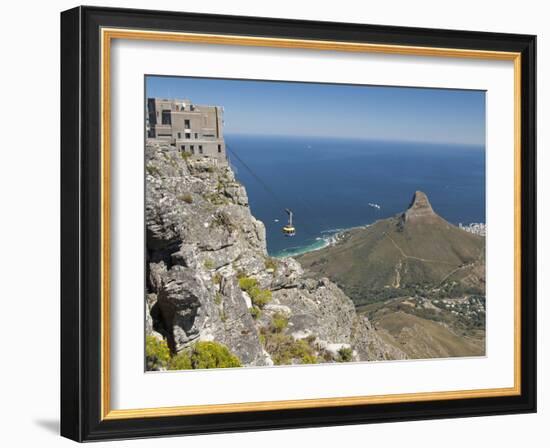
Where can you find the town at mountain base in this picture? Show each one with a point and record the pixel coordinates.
(214, 298)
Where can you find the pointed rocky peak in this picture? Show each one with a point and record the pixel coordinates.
(419, 207)
(420, 202)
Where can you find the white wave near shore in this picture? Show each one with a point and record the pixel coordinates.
(329, 237)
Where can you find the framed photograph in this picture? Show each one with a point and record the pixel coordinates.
(276, 224)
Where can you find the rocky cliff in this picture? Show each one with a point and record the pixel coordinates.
(420, 209)
(209, 277)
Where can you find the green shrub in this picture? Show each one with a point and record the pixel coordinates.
(218, 298)
(182, 361)
(153, 170)
(345, 354)
(185, 155)
(284, 349)
(217, 278)
(311, 339)
(255, 312)
(260, 297)
(278, 323)
(209, 263)
(157, 353)
(309, 359)
(304, 352)
(247, 283)
(212, 355)
(186, 198)
(204, 355)
(216, 198)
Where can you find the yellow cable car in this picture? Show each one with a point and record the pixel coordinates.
(289, 229)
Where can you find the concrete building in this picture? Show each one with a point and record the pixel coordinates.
(192, 128)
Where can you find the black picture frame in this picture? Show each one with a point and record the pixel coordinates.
(81, 224)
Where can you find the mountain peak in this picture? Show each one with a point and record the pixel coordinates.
(419, 207)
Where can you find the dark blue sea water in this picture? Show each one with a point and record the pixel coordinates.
(329, 183)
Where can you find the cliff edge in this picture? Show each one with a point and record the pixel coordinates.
(209, 277)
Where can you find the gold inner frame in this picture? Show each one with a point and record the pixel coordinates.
(107, 35)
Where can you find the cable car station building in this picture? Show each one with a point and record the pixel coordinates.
(193, 129)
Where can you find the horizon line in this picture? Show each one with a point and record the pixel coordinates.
(375, 139)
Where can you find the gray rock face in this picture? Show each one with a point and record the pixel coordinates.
(419, 208)
(201, 238)
(369, 344)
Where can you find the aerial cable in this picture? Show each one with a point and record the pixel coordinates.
(297, 198)
(258, 178)
(268, 188)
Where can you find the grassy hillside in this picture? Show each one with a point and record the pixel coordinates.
(423, 338)
(401, 254)
(419, 279)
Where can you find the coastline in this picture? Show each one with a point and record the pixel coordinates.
(331, 237)
(328, 238)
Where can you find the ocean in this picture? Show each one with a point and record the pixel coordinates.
(336, 184)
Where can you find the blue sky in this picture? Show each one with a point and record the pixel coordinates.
(335, 110)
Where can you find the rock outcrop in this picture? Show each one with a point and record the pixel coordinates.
(202, 241)
(419, 209)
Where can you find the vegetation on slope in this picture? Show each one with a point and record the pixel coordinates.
(202, 355)
(392, 258)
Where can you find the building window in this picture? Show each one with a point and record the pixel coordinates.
(166, 117)
(219, 148)
(188, 135)
(179, 134)
(192, 148)
(187, 124)
(196, 136)
(183, 148)
(200, 149)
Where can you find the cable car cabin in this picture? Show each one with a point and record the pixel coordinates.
(289, 229)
